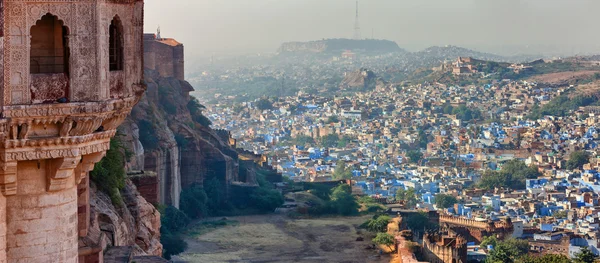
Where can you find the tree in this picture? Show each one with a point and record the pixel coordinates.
(333, 119)
(508, 251)
(585, 255)
(172, 244)
(343, 201)
(488, 240)
(303, 140)
(577, 160)
(344, 141)
(173, 219)
(448, 109)
(419, 221)
(329, 140)
(384, 239)
(341, 172)
(215, 195)
(445, 201)
(264, 104)
(266, 199)
(414, 156)
(422, 139)
(408, 196)
(548, 258)
(193, 202)
(513, 175)
(378, 223)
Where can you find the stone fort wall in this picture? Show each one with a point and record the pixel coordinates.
(441, 249)
(165, 55)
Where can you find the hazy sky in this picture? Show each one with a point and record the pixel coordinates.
(245, 26)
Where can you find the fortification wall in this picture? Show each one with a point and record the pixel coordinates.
(451, 250)
(463, 222)
(165, 57)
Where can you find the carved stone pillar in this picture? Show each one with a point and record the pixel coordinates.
(83, 190)
(59, 171)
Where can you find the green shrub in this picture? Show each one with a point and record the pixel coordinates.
(266, 199)
(173, 244)
(109, 173)
(195, 109)
(174, 219)
(193, 202)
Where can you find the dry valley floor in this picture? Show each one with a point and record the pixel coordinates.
(276, 238)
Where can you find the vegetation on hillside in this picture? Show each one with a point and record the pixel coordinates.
(577, 160)
(418, 222)
(562, 106)
(515, 251)
(445, 201)
(384, 239)
(109, 173)
(195, 109)
(409, 196)
(378, 223)
(341, 171)
(340, 201)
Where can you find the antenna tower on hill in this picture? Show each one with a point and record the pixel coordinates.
(357, 25)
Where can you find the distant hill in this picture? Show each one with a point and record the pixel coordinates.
(339, 45)
(452, 52)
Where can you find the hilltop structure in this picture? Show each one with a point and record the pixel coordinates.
(71, 73)
(165, 55)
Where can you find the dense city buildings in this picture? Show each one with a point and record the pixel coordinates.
(508, 168)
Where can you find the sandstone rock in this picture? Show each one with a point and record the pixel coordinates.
(136, 223)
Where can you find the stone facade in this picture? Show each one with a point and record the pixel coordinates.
(444, 249)
(61, 105)
(165, 55)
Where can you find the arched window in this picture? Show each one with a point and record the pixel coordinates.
(49, 50)
(116, 45)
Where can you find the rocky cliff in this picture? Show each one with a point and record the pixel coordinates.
(168, 134)
(339, 45)
(362, 79)
(133, 223)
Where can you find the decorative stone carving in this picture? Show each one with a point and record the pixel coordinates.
(8, 178)
(85, 125)
(24, 132)
(58, 172)
(114, 122)
(65, 127)
(87, 165)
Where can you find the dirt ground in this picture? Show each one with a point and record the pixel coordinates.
(276, 238)
(559, 77)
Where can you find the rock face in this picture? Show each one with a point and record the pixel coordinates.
(135, 223)
(362, 79)
(339, 45)
(180, 150)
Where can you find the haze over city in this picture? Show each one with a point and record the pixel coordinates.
(503, 27)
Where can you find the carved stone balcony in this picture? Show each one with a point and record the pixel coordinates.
(67, 134)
